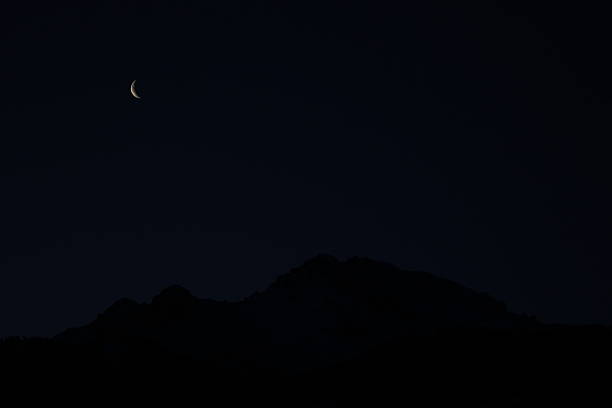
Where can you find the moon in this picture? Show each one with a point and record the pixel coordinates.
(133, 90)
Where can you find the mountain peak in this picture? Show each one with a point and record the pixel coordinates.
(122, 307)
(173, 293)
(174, 301)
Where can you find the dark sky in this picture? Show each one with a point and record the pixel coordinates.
(467, 141)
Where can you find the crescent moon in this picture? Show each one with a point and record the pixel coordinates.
(133, 90)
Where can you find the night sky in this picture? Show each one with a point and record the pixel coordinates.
(470, 141)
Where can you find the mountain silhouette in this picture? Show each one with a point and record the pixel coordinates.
(321, 312)
(329, 333)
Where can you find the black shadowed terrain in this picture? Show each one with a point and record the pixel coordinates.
(329, 333)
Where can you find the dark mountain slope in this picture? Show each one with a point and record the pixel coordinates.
(327, 334)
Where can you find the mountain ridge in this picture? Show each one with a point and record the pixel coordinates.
(320, 312)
